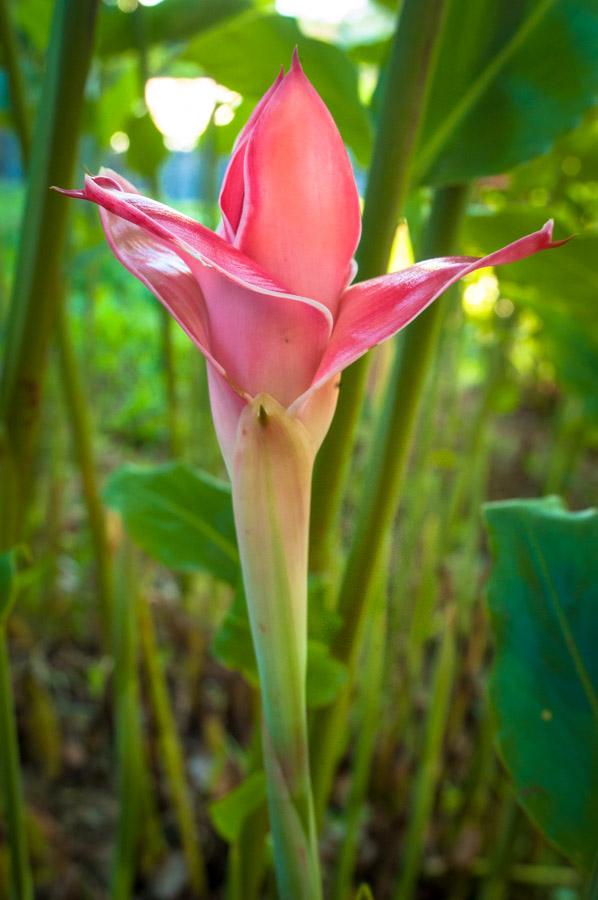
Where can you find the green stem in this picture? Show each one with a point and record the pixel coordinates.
(128, 729)
(496, 884)
(35, 294)
(8, 42)
(81, 428)
(390, 453)
(430, 763)
(407, 81)
(368, 717)
(271, 476)
(21, 886)
(171, 752)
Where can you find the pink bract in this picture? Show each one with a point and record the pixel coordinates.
(267, 299)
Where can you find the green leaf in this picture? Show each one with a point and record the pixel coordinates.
(114, 105)
(146, 149)
(165, 22)
(543, 599)
(325, 675)
(233, 647)
(230, 812)
(527, 72)
(232, 644)
(181, 516)
(364, 892)
(245, 53)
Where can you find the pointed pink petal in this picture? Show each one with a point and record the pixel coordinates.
(116, 195)
(232, 193)
(300, 220)
(150, 257)
(258, 337)
(372, 311)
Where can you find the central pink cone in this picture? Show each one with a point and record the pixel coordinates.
(267, 300)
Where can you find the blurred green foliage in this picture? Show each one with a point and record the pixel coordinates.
(511, 410)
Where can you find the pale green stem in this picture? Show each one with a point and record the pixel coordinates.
(407, 81)
(271, 474)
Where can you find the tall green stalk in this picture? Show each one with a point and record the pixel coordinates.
(81, 429)
(407, 80)
(172, 757)
(129, 751)
(368, 712)
(390, 451)
(429, 763)
(16, 88)
(21, 885)
(35, 292)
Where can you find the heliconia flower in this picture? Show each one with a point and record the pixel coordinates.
(268, 299)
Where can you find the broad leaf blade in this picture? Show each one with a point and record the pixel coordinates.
(543, 597)
(182, 517)
(527, 72)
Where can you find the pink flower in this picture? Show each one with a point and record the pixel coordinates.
(267, 300)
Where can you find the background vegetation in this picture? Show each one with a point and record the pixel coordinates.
(131, 664)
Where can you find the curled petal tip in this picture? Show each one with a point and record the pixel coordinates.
(547, 230)
(78, 194)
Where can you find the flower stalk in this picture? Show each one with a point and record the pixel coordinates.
(271, 477)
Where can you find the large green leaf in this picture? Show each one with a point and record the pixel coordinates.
(245, 53)
(181, 516)
(543, 598)
(510, 78)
